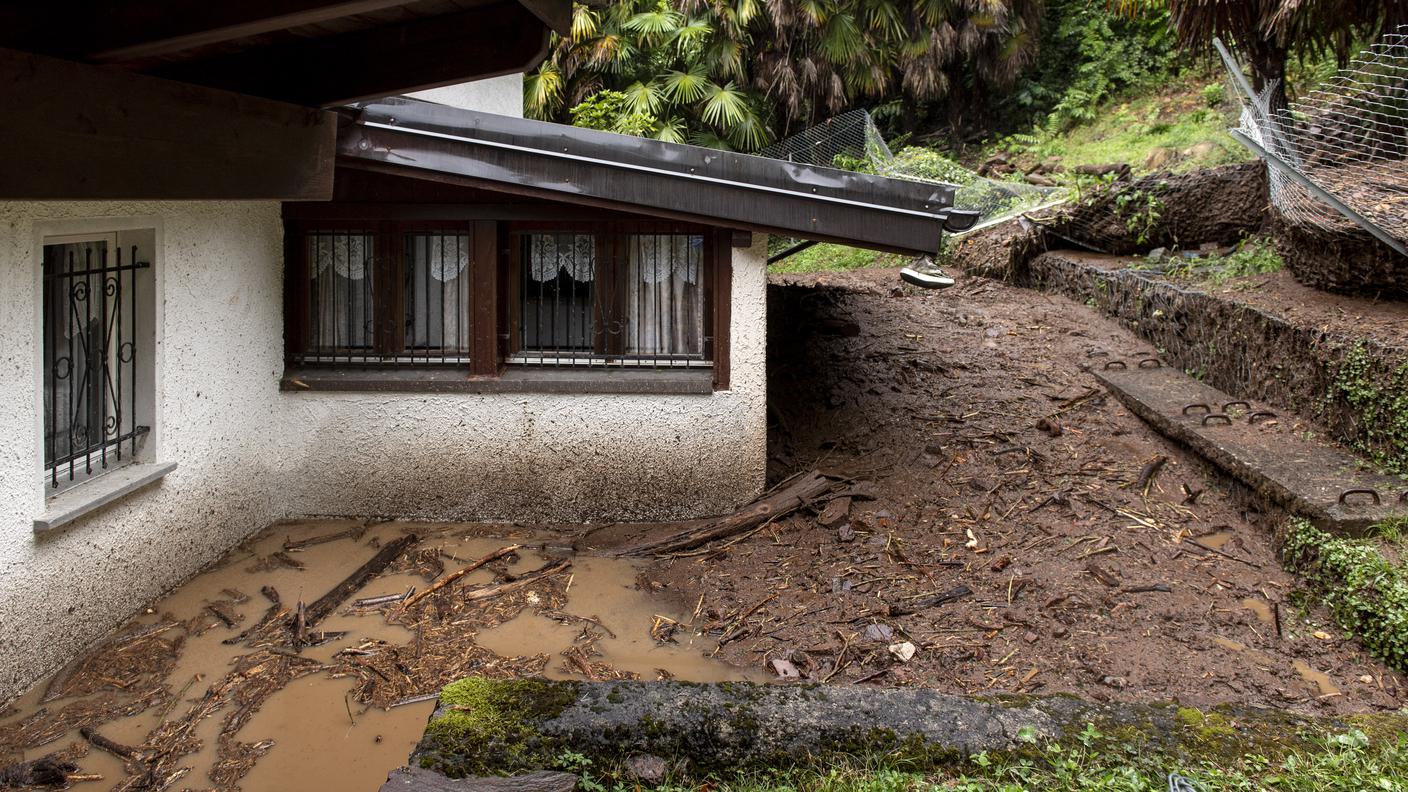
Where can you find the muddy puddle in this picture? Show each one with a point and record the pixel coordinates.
(216, 686)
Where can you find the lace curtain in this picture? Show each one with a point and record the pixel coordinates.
(665, 309)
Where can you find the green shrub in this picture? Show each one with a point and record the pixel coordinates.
(1366, 594)
(1380, 405)
(1214, 94)
(610, 111)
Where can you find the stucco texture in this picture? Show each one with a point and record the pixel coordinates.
(499, 95)
(543, 457)
(218, 360)
(248, 454)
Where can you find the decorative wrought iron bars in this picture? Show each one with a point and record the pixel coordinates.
(90, 357)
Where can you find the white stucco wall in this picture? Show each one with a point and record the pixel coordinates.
(544, 457)
(219, 357)
(248, 454)
(499, 95)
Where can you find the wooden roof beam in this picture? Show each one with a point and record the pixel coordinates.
(113, 31)
(423, 53)
(82, 132)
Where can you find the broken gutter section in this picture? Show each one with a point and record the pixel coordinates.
(426, 140)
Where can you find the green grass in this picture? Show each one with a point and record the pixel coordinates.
(1129, 130)
(1346, 762)
(826, 257)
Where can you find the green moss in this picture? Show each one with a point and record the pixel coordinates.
(488, 726)
(1378, 399)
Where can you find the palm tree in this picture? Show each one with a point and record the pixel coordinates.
(680, 77)
(736, 72)
(1268, 32)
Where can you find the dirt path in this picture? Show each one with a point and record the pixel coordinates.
(992, 460)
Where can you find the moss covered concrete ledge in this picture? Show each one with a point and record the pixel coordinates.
(505, 727)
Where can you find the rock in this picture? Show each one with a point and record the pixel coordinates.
(903, 651)
(416, 779)
(880, 633)
(1201, 151)
(785, 669)
(845, 533)
(1160, 158)
(835, 512)
(718, 728)
(646, 767)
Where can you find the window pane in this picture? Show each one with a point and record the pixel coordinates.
(664, 290)
(340, 291)
(437, 293)
(557, 311)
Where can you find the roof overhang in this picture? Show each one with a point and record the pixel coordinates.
(430, 141)
(317, 53)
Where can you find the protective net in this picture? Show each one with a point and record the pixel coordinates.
(851, 141)
(1336, 157)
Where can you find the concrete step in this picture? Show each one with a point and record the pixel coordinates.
(1334, 489)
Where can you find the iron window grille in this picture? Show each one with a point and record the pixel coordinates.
(385, 295)
(90, 357)
(613, 299)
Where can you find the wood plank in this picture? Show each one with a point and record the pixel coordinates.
(422, 53)
(111, 32)
(722, 314)
(484, 299)
(86, 132)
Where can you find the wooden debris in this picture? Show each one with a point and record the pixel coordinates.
(354, 532)
(1148, 473)
(220, 613)
(117, 749)
(369, 602)
(930, 601)
(690, 534)
(275, 611)
(494, 590)
(1102, 574)
(835, 512)
(329, 602)
(1223, 553)
(48, 770)
(456, 575)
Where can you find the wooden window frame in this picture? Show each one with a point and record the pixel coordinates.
(716, 261)
(493, 275)
(389, 271)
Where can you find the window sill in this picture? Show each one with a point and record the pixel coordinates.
(514, 380)
(94, 494)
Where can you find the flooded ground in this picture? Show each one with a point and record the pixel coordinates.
(208, 688)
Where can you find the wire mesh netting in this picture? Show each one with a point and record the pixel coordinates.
(1337, 155)
(852, 141)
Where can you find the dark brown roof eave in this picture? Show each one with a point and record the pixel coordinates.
(574, 165)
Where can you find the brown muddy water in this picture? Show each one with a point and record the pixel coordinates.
(331, 726)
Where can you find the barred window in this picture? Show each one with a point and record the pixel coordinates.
(379, 296)
(610, 299)
(98, 301)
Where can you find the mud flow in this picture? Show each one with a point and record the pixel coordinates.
(1005, 525)
(209, 687)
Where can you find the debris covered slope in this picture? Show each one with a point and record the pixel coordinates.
(1009, 526)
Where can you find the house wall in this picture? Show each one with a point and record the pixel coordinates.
(499, 95)
(544, 457)
(218, 359)
(248, 454)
